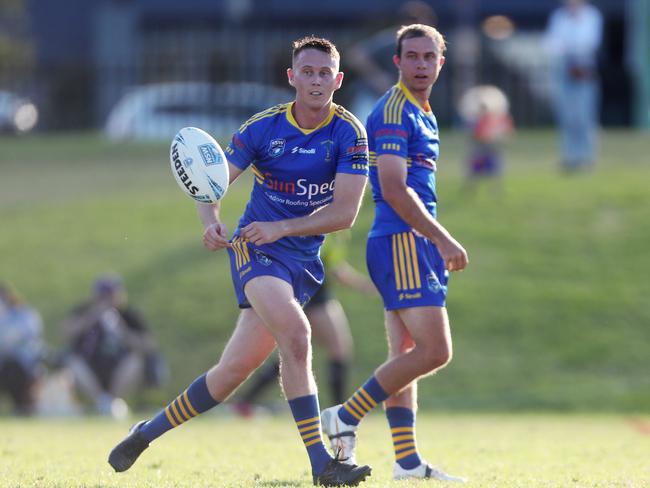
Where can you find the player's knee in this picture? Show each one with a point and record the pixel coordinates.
(439, 359)
(435, 359)
(296, 348)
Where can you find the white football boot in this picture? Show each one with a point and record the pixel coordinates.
(343, 437)
(424, 471)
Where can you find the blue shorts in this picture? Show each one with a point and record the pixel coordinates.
(407, 270)
(248, 262)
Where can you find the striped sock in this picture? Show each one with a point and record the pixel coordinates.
(402, 428)
(306, 413)
(362, 401)
(194, 400)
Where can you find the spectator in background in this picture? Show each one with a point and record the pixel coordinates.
(485, 110)
(21, 350)
(329, 323)
(111, 350)
(573, 37)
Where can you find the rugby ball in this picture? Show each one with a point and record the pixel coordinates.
(199, 165)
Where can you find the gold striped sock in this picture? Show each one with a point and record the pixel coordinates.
(310, 431)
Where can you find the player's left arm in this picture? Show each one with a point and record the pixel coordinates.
(337, 215)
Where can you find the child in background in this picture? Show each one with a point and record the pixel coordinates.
(485, 109)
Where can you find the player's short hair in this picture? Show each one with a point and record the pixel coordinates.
(313, 42)
(419, 30)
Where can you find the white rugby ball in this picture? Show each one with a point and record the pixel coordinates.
(199, 165)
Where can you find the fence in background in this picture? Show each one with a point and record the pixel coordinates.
(76, 96)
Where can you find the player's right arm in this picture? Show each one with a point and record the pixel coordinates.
(392, 171)
(215, 232)
(240, 153)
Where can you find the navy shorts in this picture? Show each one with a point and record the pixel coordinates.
(248, 262)
(407, 270)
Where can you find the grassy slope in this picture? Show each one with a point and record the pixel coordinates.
(552, 312)
(531, 451)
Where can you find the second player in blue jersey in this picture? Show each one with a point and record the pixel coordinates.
(409, 254)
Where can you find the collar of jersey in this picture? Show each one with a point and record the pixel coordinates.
(426, 109)
(293, 121)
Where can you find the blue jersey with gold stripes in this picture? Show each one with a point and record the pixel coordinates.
(399, 125)
(294, 168)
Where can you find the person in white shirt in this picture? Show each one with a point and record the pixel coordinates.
(573, 37)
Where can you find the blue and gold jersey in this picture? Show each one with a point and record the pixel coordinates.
(399, 125)
(294, 168)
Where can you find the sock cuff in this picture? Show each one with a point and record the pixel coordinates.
(304, 407)
(199, 395)
(400, 416)
(375, 390)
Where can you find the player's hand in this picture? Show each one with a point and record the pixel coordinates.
(262, 232)
(215, 236)
(453, 254)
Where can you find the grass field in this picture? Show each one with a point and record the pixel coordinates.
(552, 313)
(500, 451)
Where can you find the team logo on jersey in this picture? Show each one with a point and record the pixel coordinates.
(276, 147)
(210, 155)
(262, 258)
(328, 145)
(433, 284)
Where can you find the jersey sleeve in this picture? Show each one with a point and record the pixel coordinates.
(389, 127)
(353, 146)
(242, 150)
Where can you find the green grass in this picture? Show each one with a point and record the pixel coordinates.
(218, 451)
(552, 313)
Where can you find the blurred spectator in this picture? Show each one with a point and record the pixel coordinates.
(485, 110)
(573, 37)
(111, 352)
(21, 350)
(371, 60)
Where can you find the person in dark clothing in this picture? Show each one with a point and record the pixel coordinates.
(110, 347)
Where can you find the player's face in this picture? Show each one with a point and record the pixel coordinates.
(420, 63)
(315, 76)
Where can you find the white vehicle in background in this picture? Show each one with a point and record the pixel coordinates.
(158, 111)
(18, 115)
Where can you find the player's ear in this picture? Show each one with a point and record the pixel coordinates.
(396, 59)
(290, 76)
(339, 79)
(442, 60)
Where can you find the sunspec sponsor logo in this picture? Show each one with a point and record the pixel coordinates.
(182, 174)
(302, 150)
(299, 188)
(210, 154)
